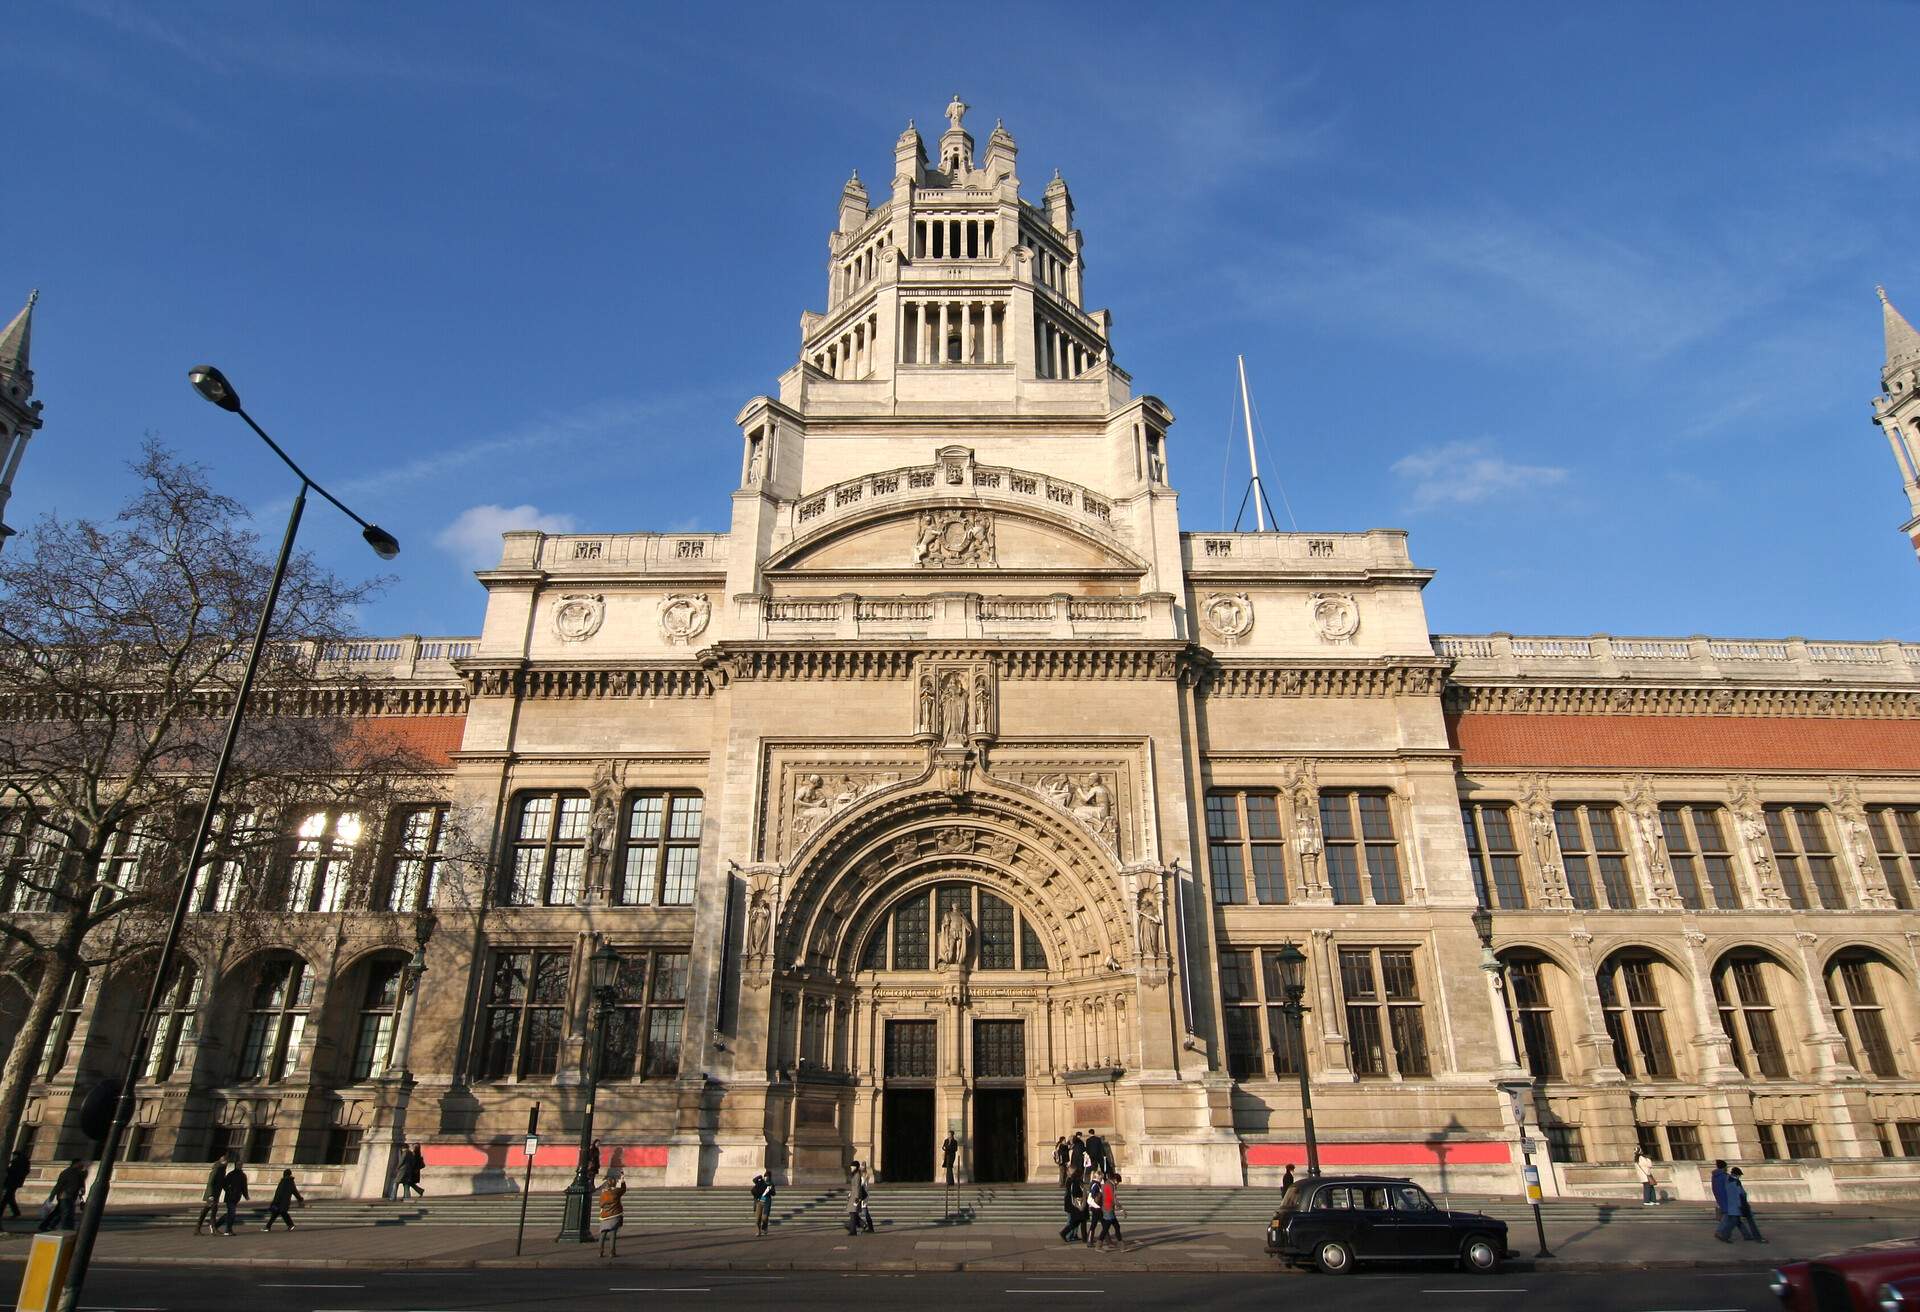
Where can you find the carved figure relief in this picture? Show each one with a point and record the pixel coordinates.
(579, 615)
(1336, 616)
(1088, 798)
(1852, 815)
(1749, 816)
(684, 615)
(962, 538)
(1228, 614)
(1644, 807)
(1544, 841)
(956, 938)
(817, 798)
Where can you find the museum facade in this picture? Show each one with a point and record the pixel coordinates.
(956, 787)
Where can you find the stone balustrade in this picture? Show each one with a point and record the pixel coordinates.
(409, 657)
(954, 615)
(1604, 656)
(987, 483)
(622, 553)
(1206, 554)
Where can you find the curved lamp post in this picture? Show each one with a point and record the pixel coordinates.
(604, 966)
(1293, 981)
(213, 385)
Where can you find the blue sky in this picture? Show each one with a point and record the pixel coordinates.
(1581, 296)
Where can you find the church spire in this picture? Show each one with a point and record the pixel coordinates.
(16, 343)
(1903, 342)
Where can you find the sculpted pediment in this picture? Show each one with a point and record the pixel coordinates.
(930, 539)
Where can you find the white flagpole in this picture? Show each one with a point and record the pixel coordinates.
(1259, 493)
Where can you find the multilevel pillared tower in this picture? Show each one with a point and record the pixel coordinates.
(1897, 408)
(19, 412)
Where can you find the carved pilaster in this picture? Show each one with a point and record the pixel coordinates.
(1749, 818)
(1857, 830)
(1643, 810)
(1603, 1066)
(1543, 842)
(1829, 1045)
(1715, 1047)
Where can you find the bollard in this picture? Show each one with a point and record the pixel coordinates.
(46, 1271)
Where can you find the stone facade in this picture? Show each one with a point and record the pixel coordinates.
(956, 787)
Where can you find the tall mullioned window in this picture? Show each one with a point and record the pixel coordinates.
(1357, 829)
(1636, 1020)
(173, 1025)
(526, 1007)
(1242, 1009)
(1533, 1014)
(661, 860)
(1494, 854)
(1243, 840)
(379, 1005)
(643, 1040)
(1386, 1029)
(1857, 1006)
(1896, 836)
(413, 865)
(322, 867)
(1591, 852)
(277, 1022)
(1747, 1015)
(548, 863)
(1698, 854)
(1803, 854)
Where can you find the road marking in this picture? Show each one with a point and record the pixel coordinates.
(659, 1289)
(264, 1286)
(1473, 1291)
(1054, 1291)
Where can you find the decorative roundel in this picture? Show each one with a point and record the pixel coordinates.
(1229, 614)
(1335, 614)
(684, 615)
(579, 615)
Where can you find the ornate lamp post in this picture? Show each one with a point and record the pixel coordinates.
(1516, 1089)
(401, 1064)
(604, 965)
(213, 385)
(1293, 981)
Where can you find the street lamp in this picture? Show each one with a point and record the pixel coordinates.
(604, 972)
(401, 1061)
(213, 385)
(1293, 982)
(1515, 1089)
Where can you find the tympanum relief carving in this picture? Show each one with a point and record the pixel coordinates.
(954, 539)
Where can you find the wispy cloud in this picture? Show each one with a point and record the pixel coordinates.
(474, 535)
(1467, 473)
(222, 40)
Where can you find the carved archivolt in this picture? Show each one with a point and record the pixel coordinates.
(579, 615)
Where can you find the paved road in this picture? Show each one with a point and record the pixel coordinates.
(193, 1289)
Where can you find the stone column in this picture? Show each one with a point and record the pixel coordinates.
(1711, 1040)
(966, 332)
(1831, 1062)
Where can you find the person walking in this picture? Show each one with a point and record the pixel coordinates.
(1073, 1200)
(859, 1215)
(593, 1163)
(419, 1170)
(65, 1198)
(1077, 1157)
(613, 1214)
(1096, 1192)
(18, 1168)
(1110, 1211)
(1643, 1164)
(409, 1177)
(285, 1193)
(1738, 1212)
(1060, 1152)
(1097, 1150)
(1719, 1182)
(209, 1217)
(949, 1150)
(1286, 1181)
(762, 1204)
(233, 1188)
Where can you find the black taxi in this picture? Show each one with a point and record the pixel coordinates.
(1335, 1221)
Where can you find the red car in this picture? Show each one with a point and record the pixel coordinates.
(1870, 1278)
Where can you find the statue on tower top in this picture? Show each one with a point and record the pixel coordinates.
(956, 110)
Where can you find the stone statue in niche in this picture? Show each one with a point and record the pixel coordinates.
(927, 708)
(953, 710)
(759, 923)
(982, 703)
(1153, 922)
(956, 938)
(600, 828)
(753, 460)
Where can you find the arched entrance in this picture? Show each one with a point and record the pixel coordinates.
(946, 965)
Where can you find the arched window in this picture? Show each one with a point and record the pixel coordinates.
(1746, 1014)
(1857, 1005)
(1003, 939)
(322, 867)
(379, 1005)
(174, 1022)
(1532, 1011)
(277, 1020)
(1636, 1020)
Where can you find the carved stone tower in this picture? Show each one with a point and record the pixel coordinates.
(19, 412)
(1897, 409)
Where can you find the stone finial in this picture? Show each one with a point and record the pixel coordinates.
(1903, 342)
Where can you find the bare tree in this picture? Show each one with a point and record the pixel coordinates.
(121, 647)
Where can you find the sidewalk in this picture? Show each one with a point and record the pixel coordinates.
(1678, 1235)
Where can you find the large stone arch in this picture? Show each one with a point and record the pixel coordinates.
(1001, 836)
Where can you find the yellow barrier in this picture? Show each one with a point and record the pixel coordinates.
(46, 1272)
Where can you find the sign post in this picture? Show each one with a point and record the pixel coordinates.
(526, 1186)
(1529, 1173)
